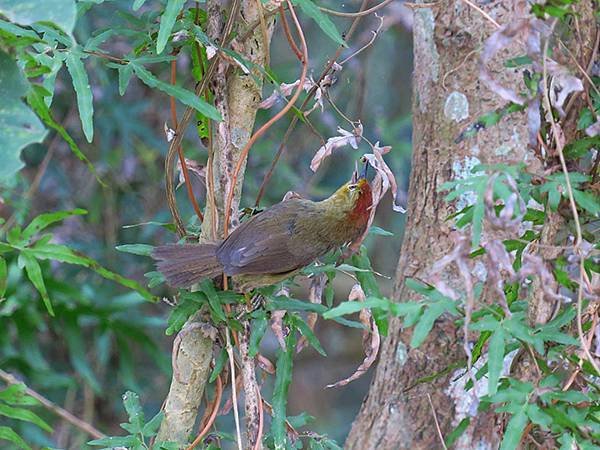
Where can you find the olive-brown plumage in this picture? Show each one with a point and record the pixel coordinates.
(273, 244)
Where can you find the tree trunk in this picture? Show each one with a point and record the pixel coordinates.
(237, 95)
(448, 95)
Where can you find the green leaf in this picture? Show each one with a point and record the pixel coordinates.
(136, 249)
(78, 352)
(308, 334)
(137, 4)
(15, 394)
(131, 402)
(84, 92)
(3, 277)
(34, 273)
(167, 21)
(125, 72)
(45, 220)
(379, 231)
(457, 432)
(26, 12)
(35, 99)
(514, 429)
(587, 201)
(64, 254)
(19, 126)
(351, 307)
(187, 305)
(116, 441)
(427, 320)
(216, 308)
(283, 378)
(151, 427)
(183, 95)
(219, 364)
(291, 304)
(24, 415)
(258, 331)
(495, 359)
(7, 434)
(324, 22)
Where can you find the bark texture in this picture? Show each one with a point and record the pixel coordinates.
(237, 94)
(448, 96)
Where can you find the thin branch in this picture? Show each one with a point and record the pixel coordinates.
(187, 117)
(482, 12)
(236, 413)
(309, 96)
(62, 413)
(212, 417)
(260, 420)
(358, 13)
(264, 32)
(578, 234)
(288, 34)
(437, 424)
(182, 162)
(270, 122)
(368, 44)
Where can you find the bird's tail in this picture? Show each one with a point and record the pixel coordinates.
(184, 265)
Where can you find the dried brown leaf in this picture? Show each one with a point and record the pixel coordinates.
(315, 295)
(371, 338)
(194, 168)
(561, 86)
(344, 138)
(284, 90)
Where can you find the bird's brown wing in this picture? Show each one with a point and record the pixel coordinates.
(277, 240)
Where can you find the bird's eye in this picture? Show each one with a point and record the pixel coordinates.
(352, 187)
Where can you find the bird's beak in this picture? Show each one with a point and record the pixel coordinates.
(363, 174)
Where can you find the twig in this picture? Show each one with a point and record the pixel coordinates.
(260, 420)
(368, 44)
(264, 32)
(63, 413)
(482, 12)
(267, 125)
(578, 234)
(106, 56)
(288, 34)
(437, 424)
(187, 117)
(212, 417)
(309, 96)
(358, 13)
(233, 389)
(182, 162)
(251, 389)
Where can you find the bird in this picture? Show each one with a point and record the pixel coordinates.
(274, 244)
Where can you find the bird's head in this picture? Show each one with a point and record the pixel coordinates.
(355, 199)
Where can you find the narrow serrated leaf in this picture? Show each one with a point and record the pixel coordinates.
(167, 21)
(183, 95)
(82, 88)
(34, 273)
(514, 430)
(495, 359)
(324, 22)
(283, 379)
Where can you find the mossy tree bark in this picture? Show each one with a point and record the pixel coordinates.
(448, 95)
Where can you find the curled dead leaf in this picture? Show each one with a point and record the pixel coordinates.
(193, 167)
(344, 138)
(371, 338)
